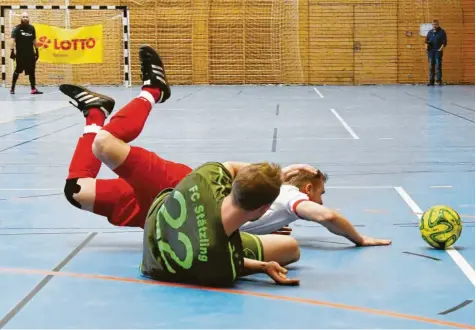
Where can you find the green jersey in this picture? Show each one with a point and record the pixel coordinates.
(184, 238)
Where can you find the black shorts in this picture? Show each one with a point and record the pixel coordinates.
(26, 64)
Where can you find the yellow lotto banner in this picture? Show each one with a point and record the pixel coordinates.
(77, 46)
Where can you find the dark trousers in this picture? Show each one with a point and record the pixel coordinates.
(25, 64)
(435, 61)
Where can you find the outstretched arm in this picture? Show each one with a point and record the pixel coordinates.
(335, 223)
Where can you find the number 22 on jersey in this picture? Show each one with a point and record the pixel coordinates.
(175, 223)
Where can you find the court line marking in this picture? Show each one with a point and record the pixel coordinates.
(436, 187)
(318, 93)
(346, 126)
(421, 255)
(33, 126)
(242, 292)
(440, 109)
(454, 254)
(38, 137)
(464, 303)
(14, 311)
(275, 140)
(33, 114)
(450, 113)
(463, 107)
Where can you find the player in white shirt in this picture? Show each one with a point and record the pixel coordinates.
(301, 198)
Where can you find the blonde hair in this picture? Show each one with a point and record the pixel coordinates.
(256, 185)
(303, 178)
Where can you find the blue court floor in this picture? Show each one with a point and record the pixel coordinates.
(390, 151)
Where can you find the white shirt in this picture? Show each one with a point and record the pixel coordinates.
(281, 213)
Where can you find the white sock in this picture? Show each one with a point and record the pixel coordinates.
(146, 95)
(92, 129)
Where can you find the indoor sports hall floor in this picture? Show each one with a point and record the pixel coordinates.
(390, 151)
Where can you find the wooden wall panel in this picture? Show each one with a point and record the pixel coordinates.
(375, 40)
(291, 42)
(331, 42)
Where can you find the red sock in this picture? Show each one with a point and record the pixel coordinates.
(84, 164)
(127, 124)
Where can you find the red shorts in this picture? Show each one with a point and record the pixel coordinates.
(142, 176)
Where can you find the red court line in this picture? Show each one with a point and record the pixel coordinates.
(245, 293)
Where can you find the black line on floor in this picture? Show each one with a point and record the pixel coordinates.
(377, 96)
(35, 196)
(33, 126)
(275, 142)
(419, 97)
(464, 303)
(450, 113)
(38, 137)
(443, 110)
(318, 226)
(15, 310)
(422, 255)
(189, 94)
(330, 242)
(184, 97)
(277, 110)
(54, 233)
(462, 107)
(54, 228)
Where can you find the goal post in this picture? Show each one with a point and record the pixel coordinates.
(113, 69)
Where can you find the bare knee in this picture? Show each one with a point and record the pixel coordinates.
(110, 150)
(292, 249)
(102, 145)
(81, 193)
(282, 249)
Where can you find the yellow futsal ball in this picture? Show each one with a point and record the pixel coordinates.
(440, 226)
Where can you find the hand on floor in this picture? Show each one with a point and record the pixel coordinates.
(369, 241)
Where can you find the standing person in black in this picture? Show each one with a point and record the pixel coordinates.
(435, 42)
(25, 52)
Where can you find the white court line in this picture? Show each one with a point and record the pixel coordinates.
(386, 138)
(318, 93)
(346, 126)
(30, 96)
(454, 254)
(441, 187)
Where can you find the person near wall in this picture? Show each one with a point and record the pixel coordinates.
(435, 43)
(25, 52)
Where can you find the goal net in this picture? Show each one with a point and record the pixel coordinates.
(112, 69)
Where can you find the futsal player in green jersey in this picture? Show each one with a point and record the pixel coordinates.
(192, 216)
